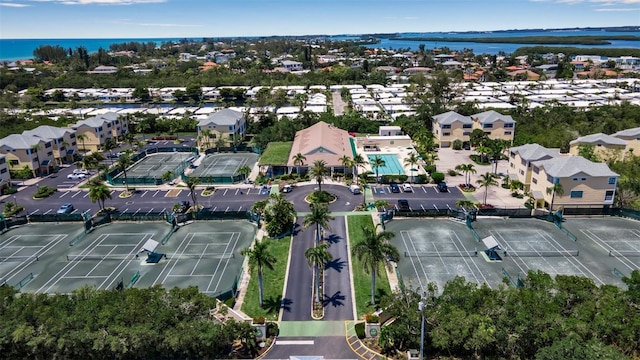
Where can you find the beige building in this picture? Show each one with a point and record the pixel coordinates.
(584, 183)
(632, 137)
(25, 150)
(5, 177)
(321, 141)
(495, 125)
(451, 126)
(119, 125)
(224, 123)
(96, 131)
(63, 139)
(521, 157)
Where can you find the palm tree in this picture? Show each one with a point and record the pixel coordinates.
(346, 162)
(363, 184)
(259, 258)
(466, 204)
(376, 163)
(318, 256)
(496, 147)
(244, 171)
(487, 180)
(298, 160)
(318, 172)
(99, 193)
(373, 250)
(319, 216)
(109, 145)
(467, 169)
(236, 139)
(82, 138)
(220, 142)
(34, 149)
(143, 126)
(412, 161)
(358, 161)
(205, 134)
(483, 151)
(192, 182)
(554, 190)
(123, 162)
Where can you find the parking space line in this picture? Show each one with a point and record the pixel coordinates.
(240, 208)
(148, 212)
(76, 194)
(125, 210)
(112, 192)
(424, 189)
(85, 195)
(156, 193)
(63, 194)
(248, 191)
(436, 190)
(227, 209)
(214, 208)
(137, 211)
(144, 193)
(74, 211)
(423, 209)
(35, 211)
(225, 192)
(162, 211)
(237, 190)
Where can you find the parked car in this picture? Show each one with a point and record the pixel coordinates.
(442, 187)
(355, 189)
(394, 188)
(287, 189)
(76, 176)
(65, 209)
(407, 188)
(182, 207)
(403, 205)
(81, 171)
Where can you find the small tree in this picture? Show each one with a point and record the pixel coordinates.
(412, 161)
(82, 138)
(319, 216)
(99, 193)
(298, 160)
(244, 171)
(376, 163)
(318, 171)
(554, 190)
(486, 181)
(259, 259)
(123, 163)
(318, 256)
(192, 182)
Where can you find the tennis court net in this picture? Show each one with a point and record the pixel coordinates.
(558, 253)
(201, 256)
(472, 253)
(92, 257)
(19, 258)
(617, 253)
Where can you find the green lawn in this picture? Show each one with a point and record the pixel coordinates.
(273, 282)
(277, 153)
(361, 280)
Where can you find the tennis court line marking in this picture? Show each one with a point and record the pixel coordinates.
(606, 247)
(466, 261)
(188, 236)
(233, 248)
(572, 260)
(404, 235)
(43, 250)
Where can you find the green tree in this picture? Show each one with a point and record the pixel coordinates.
(298, 160)
(142, 94)
(376, 163)
(467, 169)
(220, 142)
(374, 250)
(486, 181)
(259, 259)
(412, 161)
(554, 190)
(279, 215)
(244, 171)
(358, 162)
(588, 152)
(109, 145)
(82, 138)
(318, 171)
(99, 193)
(318, 256)
(123, 163)
(346, 162)
(318, 217)
(192, 183)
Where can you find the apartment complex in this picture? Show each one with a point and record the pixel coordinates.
(26, 150)
(451, 126)
(615, 146)
(223, 124)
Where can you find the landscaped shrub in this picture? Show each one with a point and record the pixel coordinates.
(44, 191)
(11, 209)
(457, 145)
(430, 169)
(478, 160)
(422, 179)
(388, 179)
(437, 177)
(372, 319)
(9, 190)
(452, 172)
(321, 197)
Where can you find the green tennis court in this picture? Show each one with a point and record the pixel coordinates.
(224, 165)
(156, 165)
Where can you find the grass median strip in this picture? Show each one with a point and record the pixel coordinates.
(273, 283)
(362, 280)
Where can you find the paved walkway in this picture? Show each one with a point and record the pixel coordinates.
(357, 345)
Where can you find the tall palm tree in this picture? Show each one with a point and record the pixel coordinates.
(376, 163)
(109, 145)
(483, 151)
(467, 169)
(412, 161)
(497, 147)
(464, 203)
(319, 216)
(192, 182)
(318, 171)
(346, 162)
(318, 256)
(556, 189)
(259, 258)
(123, 162)
(220, 142)
(82, 138)
(206, 137)
(486, 181)
(244, 171)
(373, 250)
(99, 193)
(298, 160)
(363, 184)
(34, 150)
(142, 127)
(358, 161)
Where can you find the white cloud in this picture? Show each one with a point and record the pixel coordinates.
(617, 9)
(13, 5)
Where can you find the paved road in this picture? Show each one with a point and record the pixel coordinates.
(337, 297)
(423, 197)
(297, 300)
(330, 347)
(346, 201)
(338, 104)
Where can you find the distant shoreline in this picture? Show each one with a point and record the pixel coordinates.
(542, 40)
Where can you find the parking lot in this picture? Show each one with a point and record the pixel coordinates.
(421, 198)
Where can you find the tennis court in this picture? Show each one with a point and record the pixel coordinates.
(437, 251)
(532, 244)
(223, 167)
(155, 165)
(391, 164)
(203, 254)
(28, 251)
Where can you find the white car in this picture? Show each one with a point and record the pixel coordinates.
(407, 188)
(287, 189)
(76, 176)
(81, 171)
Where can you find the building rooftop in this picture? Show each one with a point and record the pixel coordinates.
(20, 141)
(451, 117)
(491, 116)
(572, 165)
(222, 117)
(48, 132)
(598, 138)
(321, 141)
(532, 152)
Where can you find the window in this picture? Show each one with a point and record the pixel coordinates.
(466, 133)
(550, 179)
(50, 153)
(14, 162)
(467, 126)
(612, 181)
(231, 127)
(74, 143)
(446, 134)
(584, 179)
(3, 161)
(576, 194)
(73, 136)
(536, 169)
(3, 171)
(575, 179)
(508, 126)
(513, 155)
(512, 165)
(446, 126)
(608, 196)
(534, 180)
(109, 125)
(487, 126)
(47, 145)
(507, 132)
(521, 172)
(99, 129)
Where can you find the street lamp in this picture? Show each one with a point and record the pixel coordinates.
(15, 201)
(421, 306)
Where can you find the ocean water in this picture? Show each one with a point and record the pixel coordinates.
(14, 49)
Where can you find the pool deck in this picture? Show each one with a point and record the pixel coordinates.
(401, 152)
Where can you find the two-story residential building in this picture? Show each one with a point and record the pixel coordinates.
(92, 133)
(604, 146)
(5, 177)
(632, 137)
(584, 183)
(451, 126)
(291, 65)
(26, 150)
(222, 124)
(521, 158)
(64, 141)
(495, 125)
(119, 125)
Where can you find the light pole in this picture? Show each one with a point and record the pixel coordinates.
(15, 201)
(421, 306)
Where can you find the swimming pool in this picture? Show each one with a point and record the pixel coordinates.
(392, 165)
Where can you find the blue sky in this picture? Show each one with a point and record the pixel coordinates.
(213, 18)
